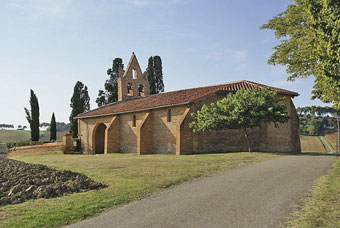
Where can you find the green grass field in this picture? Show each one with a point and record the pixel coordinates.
(322, 209)
(128, 176)
(20, 136)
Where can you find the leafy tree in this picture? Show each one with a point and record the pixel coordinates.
(2, 126)
(310, 45)
(32, 116)
(242, 110)
(53, 129)
(110, 94)
(155, 75)
(24, 127)
(80, 102)
(44, 124)
(314, 120)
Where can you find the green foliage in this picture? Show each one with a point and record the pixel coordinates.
(242, 110)
(155, 75)
(32, 116)
(315, 119)
(2, 126)
(80, 102)
(110, 94)
(53, 129)
(43, 124)
(310, 45)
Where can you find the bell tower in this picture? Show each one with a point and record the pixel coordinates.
(132, 82)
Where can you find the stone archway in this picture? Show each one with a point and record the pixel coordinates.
(99, 139)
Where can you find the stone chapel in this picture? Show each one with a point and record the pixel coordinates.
(159, 124)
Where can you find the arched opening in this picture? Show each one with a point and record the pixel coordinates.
(141, 92)
(100, 139)
(130, 89)
(134, 74)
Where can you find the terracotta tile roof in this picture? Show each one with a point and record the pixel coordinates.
(173, 98)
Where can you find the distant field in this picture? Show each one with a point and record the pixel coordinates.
(331, 138)
(20, 135)
(311, 144)
(14, 135)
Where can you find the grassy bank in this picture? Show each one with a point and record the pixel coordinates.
(332, 138)
(322, 209)
(128, 176)
(311, 144)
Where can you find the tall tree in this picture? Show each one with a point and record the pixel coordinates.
(53, 129)
(110, 94)
(243, 110)
(310, 45)
(155, 75)
(80, 102)
(32, 116)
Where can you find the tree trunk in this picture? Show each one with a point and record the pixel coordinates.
(247, 137)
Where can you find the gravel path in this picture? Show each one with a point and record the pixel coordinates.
(257, 195)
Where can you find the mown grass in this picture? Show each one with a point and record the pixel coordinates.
(322, 208)
(128, 176)
(311, 144)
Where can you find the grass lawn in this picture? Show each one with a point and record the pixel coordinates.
(129, 177)
(322, 209)
(311, 144)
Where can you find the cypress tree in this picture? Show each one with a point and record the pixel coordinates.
(151, 75)
(80, 102)
(53, 129)
(32, 116)
(110, 94)
(155, 75)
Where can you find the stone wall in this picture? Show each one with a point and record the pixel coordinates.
(286, 138)
(86, 129)
(152, 133)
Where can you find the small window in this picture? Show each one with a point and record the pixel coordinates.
(134, 121)
(141, 91)
(129, 89)
(169, 115)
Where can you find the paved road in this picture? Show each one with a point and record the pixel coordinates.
(257, 195)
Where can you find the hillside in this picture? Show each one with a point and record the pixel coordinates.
(311, 144)
(331, 138)
(20, 135)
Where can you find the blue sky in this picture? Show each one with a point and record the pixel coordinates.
(48, 45)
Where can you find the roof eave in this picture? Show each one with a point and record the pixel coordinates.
(137, 110)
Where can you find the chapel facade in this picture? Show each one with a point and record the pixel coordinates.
(159, 124)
